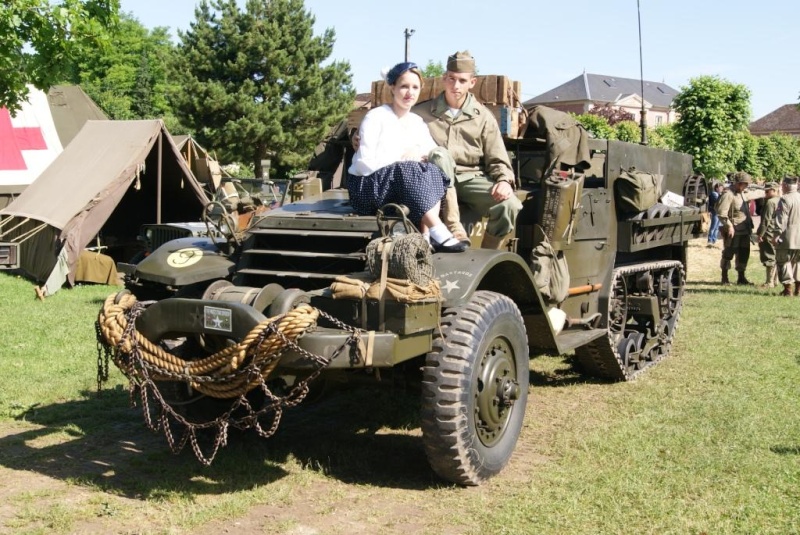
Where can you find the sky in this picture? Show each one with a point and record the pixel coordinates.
(542, 44)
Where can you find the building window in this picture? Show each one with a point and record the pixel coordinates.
(659, 120)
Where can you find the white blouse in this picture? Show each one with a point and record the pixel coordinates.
(384, 138)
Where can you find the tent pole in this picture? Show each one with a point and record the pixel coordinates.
(158, 189)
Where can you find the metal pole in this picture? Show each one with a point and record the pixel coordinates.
(643, 119)
(408, 33)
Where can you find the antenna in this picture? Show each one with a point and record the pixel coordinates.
(643, 119)
(408, 33)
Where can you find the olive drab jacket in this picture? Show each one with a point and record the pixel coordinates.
(787, 221)
(766, 227)
(733, 210)
(473, 138)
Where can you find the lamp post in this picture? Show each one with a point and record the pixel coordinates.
(643, 119)
(408, 33)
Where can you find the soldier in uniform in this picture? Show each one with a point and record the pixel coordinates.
(765, 233)
(736, 225)
(476, 160)
(787, 237)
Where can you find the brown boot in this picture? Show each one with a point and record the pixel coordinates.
(787, 290)
(492, 242)
(451, 216)
(741, 280)
(725, 279)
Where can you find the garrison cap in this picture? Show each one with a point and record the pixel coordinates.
(771, 185)
(790, 180)
(461, 62)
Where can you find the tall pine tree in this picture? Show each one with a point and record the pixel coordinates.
(253, 83)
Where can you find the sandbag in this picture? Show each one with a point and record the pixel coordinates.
(636, 191)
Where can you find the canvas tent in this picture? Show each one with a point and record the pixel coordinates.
(36, 134)
(112, 178)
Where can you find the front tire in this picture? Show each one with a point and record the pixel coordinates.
(475, 388)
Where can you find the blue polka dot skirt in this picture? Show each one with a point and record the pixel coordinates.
(417, 185)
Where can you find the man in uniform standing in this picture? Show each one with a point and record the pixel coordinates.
(736, 225)
(476, 159)
(787, 237)
(765, 233)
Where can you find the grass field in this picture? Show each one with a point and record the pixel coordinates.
(706, 442)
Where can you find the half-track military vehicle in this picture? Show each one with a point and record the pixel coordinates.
(581, 273)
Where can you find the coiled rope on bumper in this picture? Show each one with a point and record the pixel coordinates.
(228, 373)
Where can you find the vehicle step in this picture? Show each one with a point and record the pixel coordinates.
(572, 338)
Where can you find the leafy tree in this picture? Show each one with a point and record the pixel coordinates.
(130, 79)
(662, 137)
(253, 84)
(628, 131)
(749, 160)
(612, 114)
(38, 40)
(779, 154)
(596, 126)
(713, 112)
(433, 70)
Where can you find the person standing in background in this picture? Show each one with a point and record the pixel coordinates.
(765, 233)
(787, 237)
(713, 197)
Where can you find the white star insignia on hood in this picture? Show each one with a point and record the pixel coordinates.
(450, 285)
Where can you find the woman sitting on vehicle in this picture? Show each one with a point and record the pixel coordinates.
(391, 164)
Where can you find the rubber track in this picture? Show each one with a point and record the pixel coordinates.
(601, 358)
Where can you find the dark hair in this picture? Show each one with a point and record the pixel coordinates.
(399, 69)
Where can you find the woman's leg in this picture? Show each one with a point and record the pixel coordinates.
(440, 236)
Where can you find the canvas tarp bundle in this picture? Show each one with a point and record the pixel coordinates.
(636, 191)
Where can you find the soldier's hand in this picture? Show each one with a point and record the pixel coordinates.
(502, 191)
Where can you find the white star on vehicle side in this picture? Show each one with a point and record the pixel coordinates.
(217, 322)
(450, 285)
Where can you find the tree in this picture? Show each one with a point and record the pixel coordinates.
(596, 126)
(130, 78)
(662, 137)
(612, 114)
(433, 70)
(253, 84)
(713, 112)
(779, 155)
(38, 41)
(628, 131)
(749, 160)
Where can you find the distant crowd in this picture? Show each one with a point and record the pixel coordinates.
(732, 205)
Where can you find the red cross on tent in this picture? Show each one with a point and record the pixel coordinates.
(15, 140)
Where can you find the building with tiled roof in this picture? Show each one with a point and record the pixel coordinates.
(784, 120)
(589, 91)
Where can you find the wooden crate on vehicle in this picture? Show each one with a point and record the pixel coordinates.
(499, 93)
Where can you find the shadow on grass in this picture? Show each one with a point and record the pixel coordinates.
(729, 289)
(367, 436)
(785, 450)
